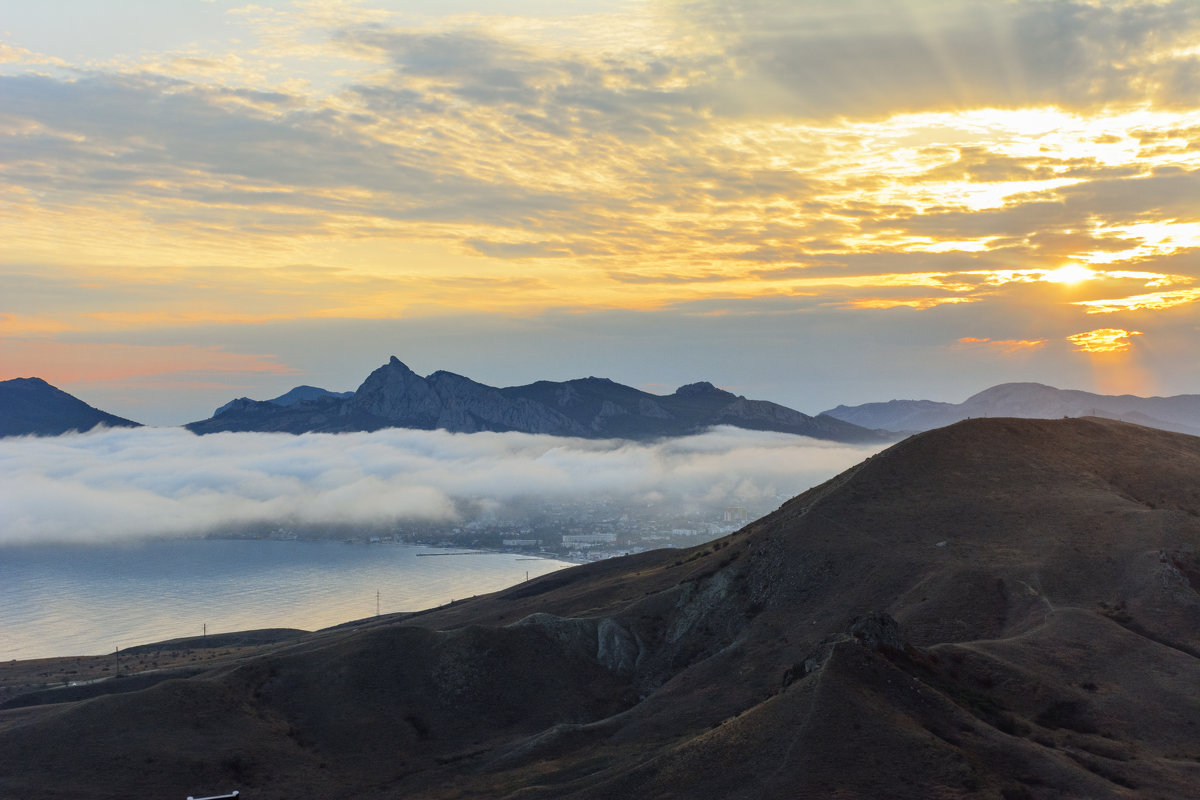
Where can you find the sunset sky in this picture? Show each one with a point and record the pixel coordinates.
(811, 202)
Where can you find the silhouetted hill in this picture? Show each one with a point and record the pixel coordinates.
(1180, 413)
(32, 406)
(1002, 609)
(394, 396)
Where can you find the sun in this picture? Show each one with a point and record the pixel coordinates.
(1071, 273)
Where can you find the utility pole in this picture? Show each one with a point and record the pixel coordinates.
(377, 602)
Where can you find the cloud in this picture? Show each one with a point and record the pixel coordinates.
(880, 57)
(1153, 301)
(518, 249)
(135, 483)
(1004, 346)
(1103, 340)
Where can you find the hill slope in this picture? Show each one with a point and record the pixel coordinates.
(1180, 413)
(1002, 609)
(394, 396)
(32, 406)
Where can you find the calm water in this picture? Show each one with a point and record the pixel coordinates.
(84, 600)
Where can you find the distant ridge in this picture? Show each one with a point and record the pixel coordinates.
(30, 406)
(300, 394)
(1180, 413)
(393, 396)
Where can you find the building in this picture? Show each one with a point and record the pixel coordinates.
(588, 539)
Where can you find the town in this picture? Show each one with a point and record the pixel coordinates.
(580, 531)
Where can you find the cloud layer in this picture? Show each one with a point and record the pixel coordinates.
(133, 483)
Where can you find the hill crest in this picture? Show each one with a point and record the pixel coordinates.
(32, 407)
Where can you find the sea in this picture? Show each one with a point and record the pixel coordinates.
(66, 600)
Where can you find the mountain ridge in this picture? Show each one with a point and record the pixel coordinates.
(298, 394)
(395, 396)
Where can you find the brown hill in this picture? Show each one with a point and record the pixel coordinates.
(998, 609)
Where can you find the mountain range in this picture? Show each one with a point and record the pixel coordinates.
(1001, 608)
(30, 406)
(393, 396)
(1180, 413)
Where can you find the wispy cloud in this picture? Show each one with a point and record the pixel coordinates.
(1104, 340)
(1005, 346)
(1152, 301)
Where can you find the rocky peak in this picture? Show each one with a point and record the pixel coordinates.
(235, 405)
(702, 388)
(394, 391)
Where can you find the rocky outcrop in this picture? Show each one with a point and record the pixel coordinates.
(395, 392)
(605, 641)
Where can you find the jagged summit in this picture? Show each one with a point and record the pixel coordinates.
(395, 396)
(1002, 608)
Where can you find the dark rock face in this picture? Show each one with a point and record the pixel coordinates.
(395, 396)
(396, 392)
(1002, 609)
(30, 406)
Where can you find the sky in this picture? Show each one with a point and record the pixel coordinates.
(810, 202)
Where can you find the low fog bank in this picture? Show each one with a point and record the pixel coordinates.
(129, 483)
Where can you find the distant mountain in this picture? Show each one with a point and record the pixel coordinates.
(999, 609)
(1180, 413)
(32, 406)
(300, 394)
(394, 396)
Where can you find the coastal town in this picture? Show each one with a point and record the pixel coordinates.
(581, 531)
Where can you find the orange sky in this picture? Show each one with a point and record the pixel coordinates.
(811, 203)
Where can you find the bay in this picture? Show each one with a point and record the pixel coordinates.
(65, 600)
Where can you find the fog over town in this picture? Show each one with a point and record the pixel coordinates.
(430, 486)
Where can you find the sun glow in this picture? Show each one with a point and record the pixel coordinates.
(1070, 274)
